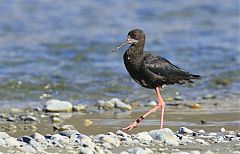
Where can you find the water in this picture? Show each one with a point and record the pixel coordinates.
(63, 48)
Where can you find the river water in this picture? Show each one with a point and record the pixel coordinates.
(62, 49)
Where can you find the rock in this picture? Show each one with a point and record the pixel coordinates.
(209, 96)
(165, 135)
(151, 103)
(184, 130)
(4, 135)
(222, 130)
(201, 141)
(107, 139)
(60, 139)
(124, 152)
(144, 136)
(178, 98)
(27, 149)
(195, 152)
(87, 122)
(58, 106)
(26, 139)
(68, 133)
(120, 105)
(201, 131)
(180, 152)
(105, 105)
(28, 118)
(212, 134)
(37, 136)
(83, 150)
(137, 150)
(67, 127)
(2, 142)
(12, 142)
(11, 119)
(79, 107)
(55, 120)
(123, 134)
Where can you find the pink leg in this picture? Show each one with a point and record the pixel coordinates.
(162, 104)
(159, 105)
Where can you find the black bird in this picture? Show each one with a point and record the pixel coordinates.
(151, 71)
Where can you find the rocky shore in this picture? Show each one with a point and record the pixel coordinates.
(52, 128)
(185, 141)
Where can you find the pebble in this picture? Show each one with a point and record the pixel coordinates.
(154, 141)
(68, 133)
(201, 131)
(28, 118)
(87, 122)
(58, 106)
(222, 130)
(151, 103)
(178, 98)
(165, 135)
(114, 102)
(137, 150)
(105, 105)
(184, 130)
(144, 136)
(79, 107)
(37, 136)
(4, 135)
(120, 105)
(209, 96)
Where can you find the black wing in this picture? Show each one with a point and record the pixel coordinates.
(169, 73)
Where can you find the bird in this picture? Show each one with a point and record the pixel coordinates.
(151, 71)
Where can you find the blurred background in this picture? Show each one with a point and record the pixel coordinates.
(62, 49)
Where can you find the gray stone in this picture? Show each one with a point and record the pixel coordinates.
(120, 105)
(144, 136)
(83, 150)
(222, 130)
(68, 127)
(151, 103)
(178, 98)
(180, 152)
(195, 152)
(28, 118)
(68, 133)
(184, 130)
(2, 142)
(60, 139)
(12, 142)
(11, 119)
(209, 96)
(27, 149)
(113, 141)
(58, 106)
(124, 152)
(212, 134)
(165, 135)
(105, 105)
(201, 131)
(201, 141)
(4, 135)
(37, 136)
(79, 107)
(123, 134)
(137, 150)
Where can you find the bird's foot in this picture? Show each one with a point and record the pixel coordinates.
(131, 126)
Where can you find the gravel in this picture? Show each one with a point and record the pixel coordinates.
(154, 141)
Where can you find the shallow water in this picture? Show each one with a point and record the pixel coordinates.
(64, 48)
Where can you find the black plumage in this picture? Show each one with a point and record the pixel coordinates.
(150, 70)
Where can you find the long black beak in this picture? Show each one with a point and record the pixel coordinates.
(124, 43)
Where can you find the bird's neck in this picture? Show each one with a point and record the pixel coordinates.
(136, 49)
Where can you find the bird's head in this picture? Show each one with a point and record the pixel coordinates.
(134, 37)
